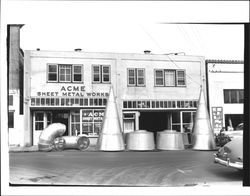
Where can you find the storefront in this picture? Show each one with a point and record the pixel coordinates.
(80, 115)
(155, 116)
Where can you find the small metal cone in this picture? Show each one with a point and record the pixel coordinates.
(111, 138)
(203, 137)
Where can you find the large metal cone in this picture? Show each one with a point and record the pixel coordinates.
(111, 138)
(203, 137)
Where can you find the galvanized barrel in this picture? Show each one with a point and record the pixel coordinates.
(169, 140)
(140, 140)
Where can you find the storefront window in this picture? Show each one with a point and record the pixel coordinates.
(75, 123)
(92, 121)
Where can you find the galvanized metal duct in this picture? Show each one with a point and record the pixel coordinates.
(48, 135)
(111, 136)
(203, 136)
(169, 140)
(140, 140)
(71, 142)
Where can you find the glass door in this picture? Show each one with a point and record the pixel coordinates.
(40, 121)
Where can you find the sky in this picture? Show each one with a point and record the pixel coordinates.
(131, 27)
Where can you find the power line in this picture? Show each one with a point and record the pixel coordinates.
(190, 77)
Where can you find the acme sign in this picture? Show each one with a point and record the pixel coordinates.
(71, 91)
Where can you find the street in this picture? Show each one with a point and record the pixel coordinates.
(127, 168)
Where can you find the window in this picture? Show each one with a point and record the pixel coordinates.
(65, 73)
(159, 78)
(167, 77)
(101, 73)
(92, 121)
(52, 73)
(10, 99)
(11, 119)
(233, 96)
(75, 122)
(181, 81)
(136, 77)
(77, 73)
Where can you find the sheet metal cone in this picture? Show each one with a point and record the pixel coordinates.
(203, 137)
(111, 137)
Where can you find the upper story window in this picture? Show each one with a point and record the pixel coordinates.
(136, 77)
(233, 96)
(101, 73)
(170, 77)
(10, 99)
(11, 119)
(65, 73)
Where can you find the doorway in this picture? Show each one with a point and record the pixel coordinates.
(154, 121)
(61, 117)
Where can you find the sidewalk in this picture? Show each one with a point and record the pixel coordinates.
(35, 149)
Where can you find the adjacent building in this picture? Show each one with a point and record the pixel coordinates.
(154, 92)
(225, 82)
(15, 64)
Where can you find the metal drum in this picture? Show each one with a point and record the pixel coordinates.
(169, 140)
(140, 140)
(71, 142)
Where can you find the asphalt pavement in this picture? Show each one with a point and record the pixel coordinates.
(125, 168)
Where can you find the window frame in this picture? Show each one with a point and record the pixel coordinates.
(128, 76)
(163, 79)
(184, 77)
(13, 119)
(101, 74)
(52, 81)
(72, 74)
(175, 71)
(137, 77)
(164, 75)
(65, 74)
(10, 100)
(229, 98)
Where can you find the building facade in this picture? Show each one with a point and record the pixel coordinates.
(15, 64)
(153, 92)
(225, 82)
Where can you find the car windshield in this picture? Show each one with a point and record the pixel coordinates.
(240, 127)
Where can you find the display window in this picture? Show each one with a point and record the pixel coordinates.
(87, 121)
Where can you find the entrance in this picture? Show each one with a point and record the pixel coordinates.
(154, 121)
(41, 120)
(61, 117)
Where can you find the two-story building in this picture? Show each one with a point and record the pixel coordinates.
(154, 92)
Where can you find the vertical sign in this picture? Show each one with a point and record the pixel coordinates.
(217, 118)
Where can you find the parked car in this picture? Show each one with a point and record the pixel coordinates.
(225, 136)
(237, 132)
(231, 154)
